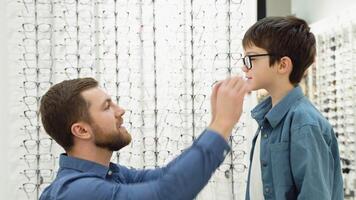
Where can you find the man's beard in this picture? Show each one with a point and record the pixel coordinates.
(113, 141)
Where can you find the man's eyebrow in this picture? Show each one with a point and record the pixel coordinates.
(107, 100)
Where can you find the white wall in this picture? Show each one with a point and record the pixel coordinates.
(316, 10)
(4, 170)
(311, 11)
(278, 7)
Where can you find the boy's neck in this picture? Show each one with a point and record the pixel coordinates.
(279, 92)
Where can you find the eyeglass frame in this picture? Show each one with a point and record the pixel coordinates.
(247, 59)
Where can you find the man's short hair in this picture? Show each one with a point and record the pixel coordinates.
(62, 106)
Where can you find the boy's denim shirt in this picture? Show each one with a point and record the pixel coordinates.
(299, 151)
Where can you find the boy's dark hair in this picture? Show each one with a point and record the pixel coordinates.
(62, 106)
(284, 36)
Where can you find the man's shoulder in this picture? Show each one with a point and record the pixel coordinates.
(71, 187)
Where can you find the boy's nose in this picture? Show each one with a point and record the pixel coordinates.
(244, 68)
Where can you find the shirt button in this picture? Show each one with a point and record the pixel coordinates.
(267, 189)
(265, 135)
(225, 153)
(264, 164)
(109, 172)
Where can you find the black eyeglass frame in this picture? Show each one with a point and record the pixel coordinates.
(248, 62)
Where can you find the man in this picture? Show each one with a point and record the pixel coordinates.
(83, 119)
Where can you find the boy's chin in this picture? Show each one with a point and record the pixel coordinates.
(251, 88)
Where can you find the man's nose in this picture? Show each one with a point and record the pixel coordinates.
(119, 111)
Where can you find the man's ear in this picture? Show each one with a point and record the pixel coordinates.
(81, 130)
(285, 65)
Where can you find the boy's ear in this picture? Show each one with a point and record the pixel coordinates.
(81, 130)
(285, 65)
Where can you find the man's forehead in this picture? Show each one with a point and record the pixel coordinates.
(95, 96)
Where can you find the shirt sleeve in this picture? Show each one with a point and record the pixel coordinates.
(183, 178)
(315, 167)
(138, 176)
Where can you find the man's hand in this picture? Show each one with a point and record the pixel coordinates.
(213, 100)
(226, 104)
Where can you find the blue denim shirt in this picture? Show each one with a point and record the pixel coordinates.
(299, 152)
(182, 178)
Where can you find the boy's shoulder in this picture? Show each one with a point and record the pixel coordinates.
(303, 113)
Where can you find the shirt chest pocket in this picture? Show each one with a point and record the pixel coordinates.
(281, 169)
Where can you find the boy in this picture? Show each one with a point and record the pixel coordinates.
(294, 153)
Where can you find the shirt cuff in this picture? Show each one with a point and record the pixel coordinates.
(214, 142)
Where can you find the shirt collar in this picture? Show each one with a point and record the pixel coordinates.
(66, 161)
(275, 115)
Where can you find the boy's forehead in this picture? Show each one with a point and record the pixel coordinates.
(254, 49)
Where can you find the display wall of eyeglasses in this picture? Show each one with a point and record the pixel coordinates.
(158, 59)
(331, 86)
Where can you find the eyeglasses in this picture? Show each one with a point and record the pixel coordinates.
(43, 160)
(41, 145)
(45, 175)
(31, 188)
(32, 131)
(65, 44)
(131, 159)
(247, 60)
